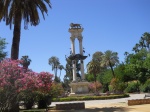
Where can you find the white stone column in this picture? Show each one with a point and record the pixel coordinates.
(73, 53)
(81, 61)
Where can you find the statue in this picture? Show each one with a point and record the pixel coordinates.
(78, 68)
(72, 25)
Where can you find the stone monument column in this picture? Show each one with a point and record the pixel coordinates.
(73, 53)
(76, 32)
(78, 85)
(81, 61)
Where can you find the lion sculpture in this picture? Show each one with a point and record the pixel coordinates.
(72, 25)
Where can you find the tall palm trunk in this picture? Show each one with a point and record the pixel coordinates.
(55, 72)
(16, 36)
(95, 83)
(112, 69)
(60, 74)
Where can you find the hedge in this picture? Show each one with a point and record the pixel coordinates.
(81, 98)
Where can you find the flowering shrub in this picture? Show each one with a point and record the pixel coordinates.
(95, 86)
(14, 81)
(44, 82)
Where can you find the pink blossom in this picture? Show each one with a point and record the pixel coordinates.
(12, 75)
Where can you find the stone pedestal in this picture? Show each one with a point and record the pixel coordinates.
(79, 88)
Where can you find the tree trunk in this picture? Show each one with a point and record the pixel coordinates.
(14, 105)
(60, 74)
(95, 83)
(16, 35)
(112, 69)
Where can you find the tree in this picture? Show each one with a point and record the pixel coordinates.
(54, 62)
(94, 68)
(25, 62)
(136, 48)
(2, 47)
(121, 73)
(110, 59)
(137, 66)
(14, 11)
(146, 40)
(68, 70)
(14, 81)
(89, 77)
(60, 67)
(144, 43)
(97, 56)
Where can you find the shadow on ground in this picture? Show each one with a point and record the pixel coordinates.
(104, 109)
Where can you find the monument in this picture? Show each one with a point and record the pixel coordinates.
(79, 85)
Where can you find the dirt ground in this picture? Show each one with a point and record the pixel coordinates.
(119, 107)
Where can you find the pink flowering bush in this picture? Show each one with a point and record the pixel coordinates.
(14, 82)
(95, 87)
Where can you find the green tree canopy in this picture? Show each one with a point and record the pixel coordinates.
(137, 65)
(110, 59)
(25, 61)
(144, 43)
(97, 56)
(94, 68)
(3, 43)
(54, 62)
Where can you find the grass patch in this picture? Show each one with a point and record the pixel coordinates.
(81, 98)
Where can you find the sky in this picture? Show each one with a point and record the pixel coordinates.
(115, 25)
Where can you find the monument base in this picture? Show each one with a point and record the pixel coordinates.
(79, 88)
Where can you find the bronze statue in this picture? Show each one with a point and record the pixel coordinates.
(72, 25)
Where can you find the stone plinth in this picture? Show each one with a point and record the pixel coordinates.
(138, 101)
(79, 88)
(70, 106)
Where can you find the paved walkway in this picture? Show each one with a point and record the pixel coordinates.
(92, 103)
(112, 105)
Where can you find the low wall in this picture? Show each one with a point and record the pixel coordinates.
(70, 106)
(138, 102)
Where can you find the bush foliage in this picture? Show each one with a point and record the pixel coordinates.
(81, 98)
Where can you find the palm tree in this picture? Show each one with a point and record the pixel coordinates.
(25, 62)
(110, 59)
(14, 11)
(60, 67)
(54, 62)
(93, 67)
(97, 56)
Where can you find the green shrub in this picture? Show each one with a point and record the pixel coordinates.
(146, 86)
(117, 86)
(56, 89)
(89, 98)
(110, 88)
(132, 87)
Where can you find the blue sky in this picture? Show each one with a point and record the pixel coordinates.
(115, 25)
